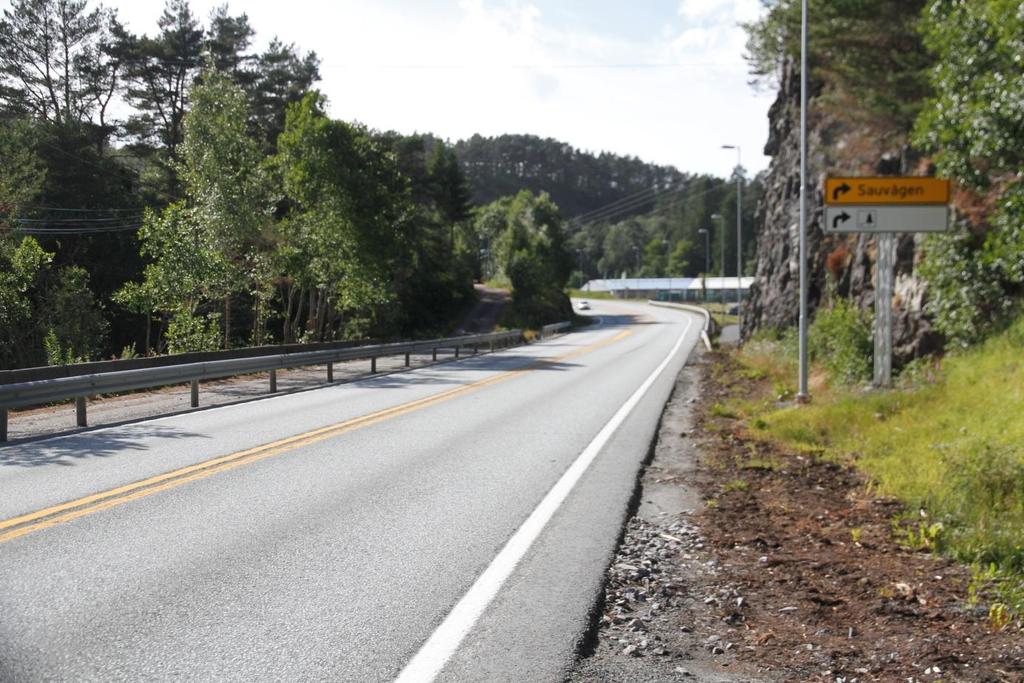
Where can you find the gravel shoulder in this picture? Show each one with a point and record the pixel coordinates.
(745, 562)
(665, 590)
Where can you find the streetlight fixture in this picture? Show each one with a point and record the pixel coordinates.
(739, 232)
(707, 258)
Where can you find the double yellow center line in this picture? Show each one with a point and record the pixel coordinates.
(65, 512)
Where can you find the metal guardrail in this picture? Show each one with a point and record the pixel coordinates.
(709, 322)
(104, 366)
(547, 330)
(113, 379)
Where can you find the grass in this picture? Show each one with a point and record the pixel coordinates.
(584, 294)
(949, 445)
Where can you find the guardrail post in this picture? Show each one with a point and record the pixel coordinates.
(194, 393)
(491, 349)
(456, 350)
(433, 354)
(407, 360)
(330, 372)
(80, 416)
(476, 348)
(3, 424)
(373, 365)
(273, 381)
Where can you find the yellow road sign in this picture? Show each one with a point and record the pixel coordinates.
(892, 190)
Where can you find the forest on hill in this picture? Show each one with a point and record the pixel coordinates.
(625, 217)
(179, 191)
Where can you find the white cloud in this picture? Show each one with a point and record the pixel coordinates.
(702, 9)
(508, 66)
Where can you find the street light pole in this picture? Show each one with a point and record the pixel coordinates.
(721, 268)
(739, 233)
(668, 267)
(802, 395)
(707, 258)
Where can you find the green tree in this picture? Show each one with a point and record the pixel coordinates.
(45, 47)
(47, 314)
(22, 263)
(281, 77)
(531, 252)
(23, 171)
(162, 70)
(224, 182)
(207, 246)
(227, 41)
(974, 125)
(866, 53)
(346, 219)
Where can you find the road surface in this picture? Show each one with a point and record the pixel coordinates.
(450, 523)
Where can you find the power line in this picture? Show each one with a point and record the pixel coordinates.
(42, 228)
(675, 202)
(78, 221)
(35, 207)
(623, 208)
(587, 214)
(619, 66)
(613, 212)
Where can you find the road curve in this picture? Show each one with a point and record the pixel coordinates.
(327, 535)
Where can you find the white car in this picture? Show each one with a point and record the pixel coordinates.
(583, 306)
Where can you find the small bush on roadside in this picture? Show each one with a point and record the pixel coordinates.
(840, 339)
(187, 332)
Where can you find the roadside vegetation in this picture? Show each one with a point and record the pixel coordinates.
(947, 442)
(221, 206)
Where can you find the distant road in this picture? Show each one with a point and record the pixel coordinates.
(329, 534)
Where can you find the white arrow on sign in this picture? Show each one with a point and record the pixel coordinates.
(886, 218)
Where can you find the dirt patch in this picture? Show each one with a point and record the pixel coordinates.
(485, 314)
(788, 571)
(829, 593)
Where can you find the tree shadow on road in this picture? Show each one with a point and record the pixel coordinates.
(66, 450)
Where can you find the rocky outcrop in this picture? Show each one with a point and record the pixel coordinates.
(838, 265)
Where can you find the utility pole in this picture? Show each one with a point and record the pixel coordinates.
(721, 265)
(739, 232)
(802, 395)
(707, 258)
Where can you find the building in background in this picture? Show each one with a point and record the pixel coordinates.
(672, 289)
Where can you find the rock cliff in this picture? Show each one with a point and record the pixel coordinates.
(838, 265)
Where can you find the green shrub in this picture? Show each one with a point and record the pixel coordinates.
(840, 339)
(966, 297)
(188, 332)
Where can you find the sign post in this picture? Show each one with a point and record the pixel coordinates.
(884, 207)
(885, 263)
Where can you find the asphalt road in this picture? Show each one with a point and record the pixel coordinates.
(452, 522)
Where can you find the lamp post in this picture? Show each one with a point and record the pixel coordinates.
(802, 396)
(739, 232)
(668, 268)
(721, 267)
(707, 258)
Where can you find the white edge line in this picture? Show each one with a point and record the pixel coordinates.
(445, 640)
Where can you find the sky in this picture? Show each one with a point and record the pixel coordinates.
(662, 80)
